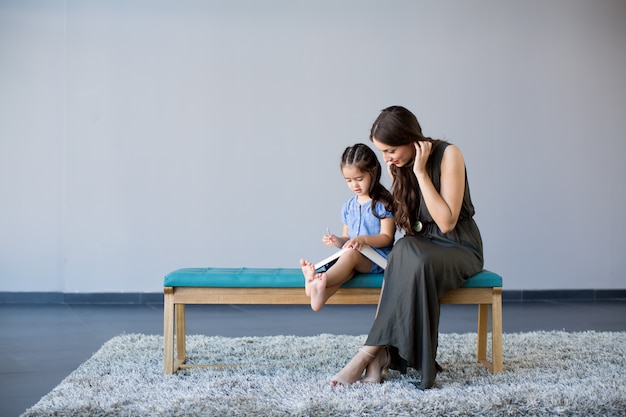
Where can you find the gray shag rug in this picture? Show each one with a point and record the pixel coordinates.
(545, 373)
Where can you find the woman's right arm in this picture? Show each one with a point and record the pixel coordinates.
(444, 206)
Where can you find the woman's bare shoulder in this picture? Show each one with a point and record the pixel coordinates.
(452, 155)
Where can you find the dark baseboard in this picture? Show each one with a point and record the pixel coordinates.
(80, 298)
(562, 295)
(157, 298)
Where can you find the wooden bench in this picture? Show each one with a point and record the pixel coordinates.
(286, 286)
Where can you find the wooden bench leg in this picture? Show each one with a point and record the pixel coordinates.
(496, 330)
(181, 345)
(168, 330)
(495, 365)
(483, 325)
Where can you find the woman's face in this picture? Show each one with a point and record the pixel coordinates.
(397, 155)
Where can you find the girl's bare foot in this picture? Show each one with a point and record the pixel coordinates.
(308, 269)
(317, 289)
(354, 369)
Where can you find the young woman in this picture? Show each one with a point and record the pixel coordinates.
(367, 220)
(441, 248)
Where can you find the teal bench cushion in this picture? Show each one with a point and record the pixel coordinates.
(287, 278)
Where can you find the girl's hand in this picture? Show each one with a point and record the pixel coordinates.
(330, 240)
(354, 244)
(422, 153)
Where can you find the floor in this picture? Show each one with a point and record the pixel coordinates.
(41, 344)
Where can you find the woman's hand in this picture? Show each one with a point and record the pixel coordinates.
(422, 153)
(389, 164)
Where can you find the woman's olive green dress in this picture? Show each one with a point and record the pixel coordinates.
(420, 270)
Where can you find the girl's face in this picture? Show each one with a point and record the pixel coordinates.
(358, 181)
(396, 155)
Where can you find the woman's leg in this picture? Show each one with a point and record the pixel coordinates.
(354, 369)
(418, 272)
(376, 370)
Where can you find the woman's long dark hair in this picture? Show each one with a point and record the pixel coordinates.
(397, 126)
(364, 159)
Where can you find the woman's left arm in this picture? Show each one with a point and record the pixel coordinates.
(444, 206)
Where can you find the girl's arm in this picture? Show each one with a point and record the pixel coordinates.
(345, 237)
(443, 206)
(384, 239)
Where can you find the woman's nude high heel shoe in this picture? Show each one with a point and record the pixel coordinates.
(339, 380)
(384, 368)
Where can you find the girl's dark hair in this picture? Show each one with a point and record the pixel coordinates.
(397, 126)
(364, 159)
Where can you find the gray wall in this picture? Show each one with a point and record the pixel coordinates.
(138, 137)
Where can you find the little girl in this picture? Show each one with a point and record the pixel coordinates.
(367, 220)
